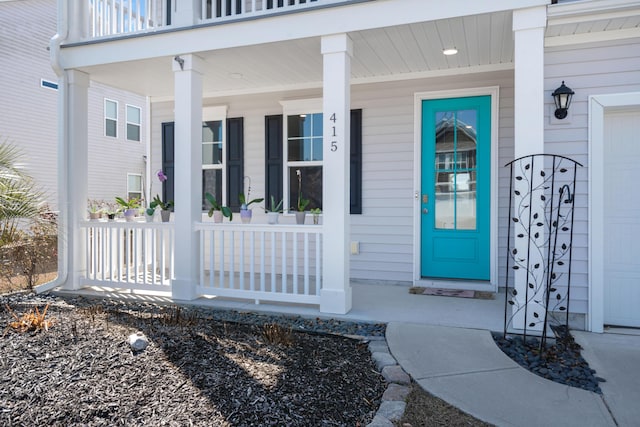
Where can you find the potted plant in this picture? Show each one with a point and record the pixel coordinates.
(95, 209)
(130, 207)
(245, 211)
(110, 210)
(165, 207)
(316, 215)
(273, 211)
(149, 213)
(217, 211)
(302, 203)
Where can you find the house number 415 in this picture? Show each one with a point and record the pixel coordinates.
(334, 143)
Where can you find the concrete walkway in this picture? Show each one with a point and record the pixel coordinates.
(465, 368)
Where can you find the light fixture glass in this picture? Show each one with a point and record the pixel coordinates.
(450, 51)
(562, 98)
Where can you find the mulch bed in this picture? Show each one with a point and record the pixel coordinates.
(196, 371)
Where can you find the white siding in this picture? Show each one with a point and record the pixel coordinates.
(588, 69)
(385, 228)
(28, 112)
(110, 159)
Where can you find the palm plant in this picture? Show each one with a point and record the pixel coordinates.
(19, 198)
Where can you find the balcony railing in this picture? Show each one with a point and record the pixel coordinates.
(259, 262)
(117, 17)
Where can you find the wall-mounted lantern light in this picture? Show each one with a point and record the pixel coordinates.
(562, 97)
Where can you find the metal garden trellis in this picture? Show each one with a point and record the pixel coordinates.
(541, 210)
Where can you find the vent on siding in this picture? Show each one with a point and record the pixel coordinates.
(48, 84)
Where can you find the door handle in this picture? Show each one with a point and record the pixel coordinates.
(425, 211)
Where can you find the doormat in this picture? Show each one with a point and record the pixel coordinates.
(460, 293)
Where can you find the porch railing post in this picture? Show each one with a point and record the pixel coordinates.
(335, 296)
(188, 160)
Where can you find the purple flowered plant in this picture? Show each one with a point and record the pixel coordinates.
(157, 202)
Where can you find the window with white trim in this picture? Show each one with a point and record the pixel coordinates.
(134, 186)
(303, 153)
(134, 119)
(110, 118)
(213, 154)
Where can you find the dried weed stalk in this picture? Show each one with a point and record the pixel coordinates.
(31, 321)
(275, 334)
(176, 317)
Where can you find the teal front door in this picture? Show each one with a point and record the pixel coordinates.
(455, 200)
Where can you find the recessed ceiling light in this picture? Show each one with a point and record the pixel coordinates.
(450, 51)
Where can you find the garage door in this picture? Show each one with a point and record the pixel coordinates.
(622, 217)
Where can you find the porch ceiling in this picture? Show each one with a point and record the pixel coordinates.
(484, 42)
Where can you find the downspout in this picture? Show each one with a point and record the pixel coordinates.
(63, 199)
(148, 149)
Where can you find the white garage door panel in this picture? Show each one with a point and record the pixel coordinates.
(622, 218)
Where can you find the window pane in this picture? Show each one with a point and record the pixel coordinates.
(455, 165)
(317, 124)
(133, 132)
(317, 148)
(311, 180)
(133, 114)
(111, 109)
(134, 183)
(211, 183)
(212, 154)
(212, 131)
(110, 128)
(300, 149)
(296, 126)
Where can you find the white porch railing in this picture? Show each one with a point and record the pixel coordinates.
(129, 255)
(112, 17)
(261, 262)
(258, 262)
(115, 17)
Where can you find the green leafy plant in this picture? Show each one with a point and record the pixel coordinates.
(132, 203)
(215, 206)
(273, 207)
(158, 203)
(244, 204)
(243, 201)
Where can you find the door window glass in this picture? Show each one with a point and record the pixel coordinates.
(455, 169)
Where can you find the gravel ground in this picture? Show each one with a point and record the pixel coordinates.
(560, 361)
(197, 370)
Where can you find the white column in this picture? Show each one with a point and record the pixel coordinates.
(336, 289)
(73, 161)
(188, 175)
(185, 12)
(528, 26)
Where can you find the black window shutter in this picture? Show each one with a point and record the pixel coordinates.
(235, 161)
(168, 161)
(355, 205)
(273, 158)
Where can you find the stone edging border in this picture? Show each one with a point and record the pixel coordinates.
(394, 398)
